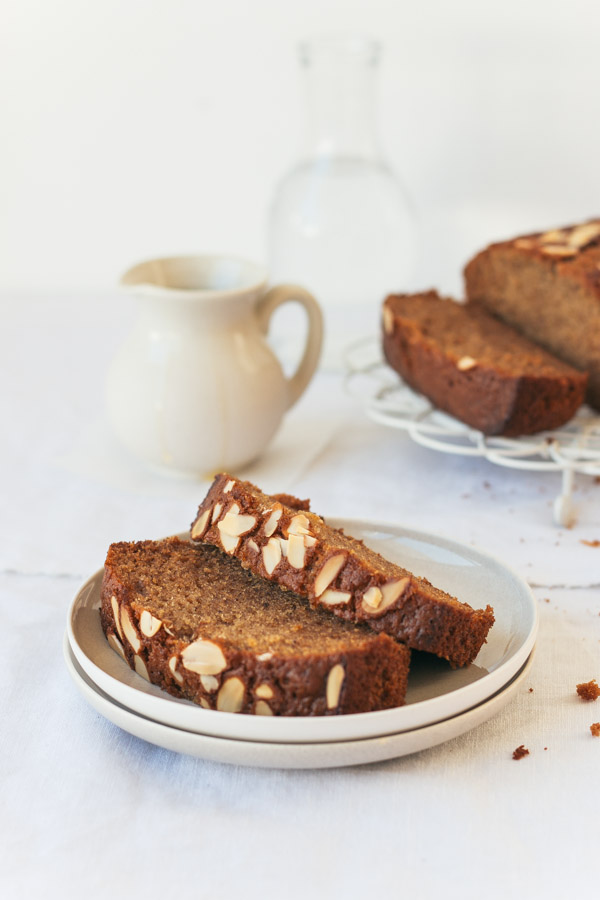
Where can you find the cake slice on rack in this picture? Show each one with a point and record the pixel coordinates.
(477, 368)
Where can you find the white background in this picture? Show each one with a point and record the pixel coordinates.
(132, 129)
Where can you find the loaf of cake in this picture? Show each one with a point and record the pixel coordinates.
(475, 367)
(547, 285)
(286, 543)
(192, 620)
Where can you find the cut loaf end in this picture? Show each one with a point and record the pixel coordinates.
(476, 368)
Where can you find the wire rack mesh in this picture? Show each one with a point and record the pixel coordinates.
(570, 450)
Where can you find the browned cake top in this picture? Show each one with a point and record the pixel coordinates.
(564, 243)
(326, 536)
(470, 335)
(196, 589)
(572, 252)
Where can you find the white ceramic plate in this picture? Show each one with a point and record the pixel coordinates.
(435, 691)
(293, 755)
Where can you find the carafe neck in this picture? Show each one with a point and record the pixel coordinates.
(340, 81)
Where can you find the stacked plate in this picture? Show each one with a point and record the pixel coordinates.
(441, 703)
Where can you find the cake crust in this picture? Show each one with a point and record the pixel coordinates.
(191, 620)
(336, 572)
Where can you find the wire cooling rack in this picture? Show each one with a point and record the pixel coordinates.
(572, 449)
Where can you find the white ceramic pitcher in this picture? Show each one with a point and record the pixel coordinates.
(195, 387)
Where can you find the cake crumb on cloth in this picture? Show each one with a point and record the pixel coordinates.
(520, 752)
(589, 690)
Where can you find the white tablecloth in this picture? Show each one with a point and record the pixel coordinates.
(88, 809)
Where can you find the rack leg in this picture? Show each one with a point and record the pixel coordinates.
(564, 511)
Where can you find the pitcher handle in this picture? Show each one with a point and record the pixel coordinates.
(287, 293)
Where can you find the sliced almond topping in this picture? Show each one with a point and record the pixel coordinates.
(271, 523)
(232, 526)
(284, 545)
(296, 551)
(253, 545)
(209, 683)
(116, 644)
(140, 667)
(173, 667)
(332, 598)
(231, 696)
(373, 597)
(129, 631)
(228, 487)
(392, 590)
(234, 523)
(582, 235)
(264, 657)
(525, 244)
(262, 709)
(329, 572)
(558, 250)
(299, 525)
(465, 363)
(216, 511)
(200, 525)
(116, 617)
(204, 703)
(271, 554)
(555, 236)
(203, 658)
(149, 624)
(389, 594)
(264, 691)
(335, 680)
(388, 320)
(229, 543)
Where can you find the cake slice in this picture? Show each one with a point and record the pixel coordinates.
(547, 285)
(280, 540)
(476, 368)
(193, 621)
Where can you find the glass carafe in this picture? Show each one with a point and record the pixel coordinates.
(340, 222)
